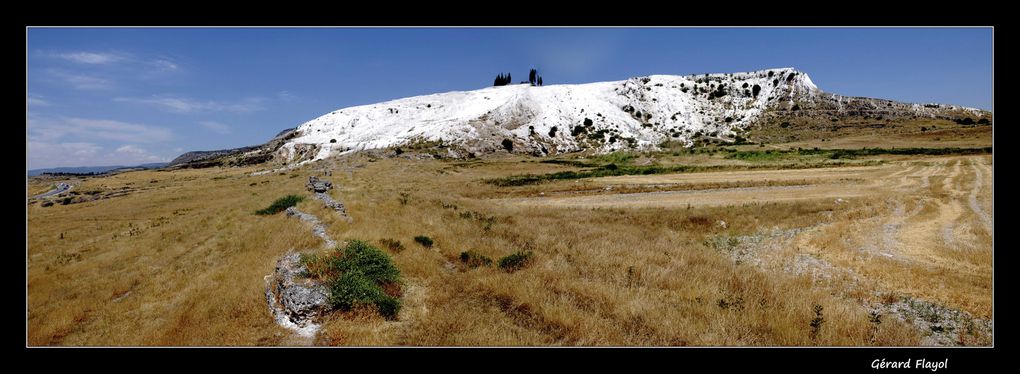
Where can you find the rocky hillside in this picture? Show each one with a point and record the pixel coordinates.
(233, 157)
(638, 113)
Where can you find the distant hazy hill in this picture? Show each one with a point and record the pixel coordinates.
(93, 169)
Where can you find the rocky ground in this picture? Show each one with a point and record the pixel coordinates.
(295, 300)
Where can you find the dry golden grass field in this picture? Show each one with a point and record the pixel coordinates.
(764, 249)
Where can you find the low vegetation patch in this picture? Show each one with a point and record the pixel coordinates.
(393, 245)
(516, 261)
(424, 241)
(280, 205)
(475, 259)
(768, 155)
(619, 158)
(615, 170)
(358, 275)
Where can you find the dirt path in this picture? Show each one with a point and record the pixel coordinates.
(920, 215)
(820, 175)
(986, 219)
(711, 197)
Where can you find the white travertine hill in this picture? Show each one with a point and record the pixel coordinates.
(605, 116)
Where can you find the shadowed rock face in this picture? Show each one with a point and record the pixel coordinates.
(233, 157)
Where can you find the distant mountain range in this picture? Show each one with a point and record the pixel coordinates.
(93, 169)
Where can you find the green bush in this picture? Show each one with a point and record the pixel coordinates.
(475, 259)
(352, 289)
(280, 205)
(355, 275)
(424, 241)
(388, 306)
(515, 261)
(362, 257)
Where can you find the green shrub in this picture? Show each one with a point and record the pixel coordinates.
(475, 259)
(965, 121)
(356, 275)
(388, 306)
(515, 261)
(424, 241)
(352, 289)
(362, 257)
(280, 205)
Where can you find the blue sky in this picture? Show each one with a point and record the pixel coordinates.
(128, 96)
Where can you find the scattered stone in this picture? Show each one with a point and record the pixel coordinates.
(333, 204)
(317, 227)
(295, 300)
(317, 185)
(120, 297)
(940, 325)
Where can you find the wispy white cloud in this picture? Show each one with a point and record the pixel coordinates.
(91, 70)
(55, 154)
(187, 105)
(47, 154)
(37, 101)
(219, 128)
(90, 130)
(137, 154)
(80, 81)
(286, 96)
(164, 65)
(92, 58)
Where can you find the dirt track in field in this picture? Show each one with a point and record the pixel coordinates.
(930, 216)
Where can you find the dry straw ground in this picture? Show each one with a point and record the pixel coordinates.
(721, 258)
